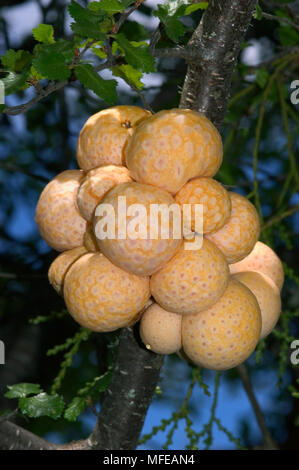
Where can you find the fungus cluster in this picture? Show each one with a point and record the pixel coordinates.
(211, 302)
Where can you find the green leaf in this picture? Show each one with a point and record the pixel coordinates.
(174, 28)
(137, 55)
(196, 6)
(16, 61)
(75, 408)
(15, 82)
(262, 77)
(288, 36)
(2, 107)
(51, 64)
(134, 31)
(88, 22)
(44, 33)
(129, 74)
(169, 14)
(109, 6)
(258, 14)
(105, 89)
(22, 390)
(42, 405)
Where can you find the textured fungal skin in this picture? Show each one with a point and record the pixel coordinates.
(192, 280)
(263, 260)
(139, 256)
(60, 266)
(173, 146)
(226, 334)
(105, 134)
(161, 331)
(102, 297)
(214, 198)
(238, 236)
(89, 240)
(59, 222)
(96, 184)
(268, 296)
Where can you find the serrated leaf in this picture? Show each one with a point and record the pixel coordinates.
(42, 405)
(44, 33)
(174, 28)
(22, 390)
(109, 6)
(66, 48)
(169, 14)
(196, 6)
(15, 82)
(87, 21)
(262, 77)
(258, 14)
(134, 31)
(75, 408)
(52, 64)
(138, 56)
(105, 89)
(16, 61)
(129, 74)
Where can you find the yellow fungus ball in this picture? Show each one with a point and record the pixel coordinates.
(173, 146)
(105, 134)
(102, 297)
(263, 260)
(238, 236)
(226, 334)
(90, 241)
(61, 265)
(59, 221)
(160, 330)
(135, 249)
(214, 199)
(96, 184)
(192, 280)
(268, 296)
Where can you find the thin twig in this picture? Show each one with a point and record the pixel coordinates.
(280, 19)
(277, 218)
(126, 15)
(268, 439)
(16, 168)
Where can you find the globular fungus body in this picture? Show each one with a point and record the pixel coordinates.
(57, 216)
(263, 260)
(104, 136)
(96, 184)
(267, 295)
(161, 331)
(214, 199)
(134, 248)
(238, 236)
(192, 280)
(140, 247)
(61, 265)
(169, 148)
(226, 334)
(102, 297)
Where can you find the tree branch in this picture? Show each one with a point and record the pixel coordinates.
(280, 19)
(128, 396)
(218, 39)
(13, 437)
(268, 439)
